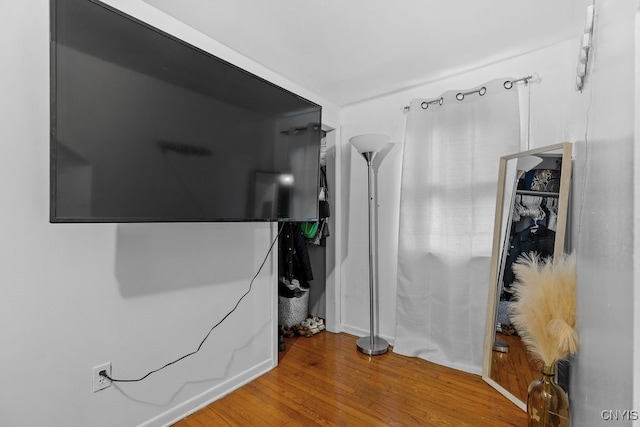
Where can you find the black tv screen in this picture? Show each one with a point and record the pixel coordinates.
(146, 127)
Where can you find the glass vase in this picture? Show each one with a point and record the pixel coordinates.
(547, 402)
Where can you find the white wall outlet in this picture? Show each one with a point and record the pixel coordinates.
(100, 382)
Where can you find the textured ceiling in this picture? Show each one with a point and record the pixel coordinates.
(351, 50)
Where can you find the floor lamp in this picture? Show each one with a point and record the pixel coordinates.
(369, 145)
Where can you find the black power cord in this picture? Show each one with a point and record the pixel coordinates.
(264, 261)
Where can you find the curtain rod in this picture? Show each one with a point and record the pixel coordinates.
(508, 84)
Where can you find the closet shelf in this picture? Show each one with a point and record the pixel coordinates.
(537, 193)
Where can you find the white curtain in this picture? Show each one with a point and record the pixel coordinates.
(448, 194)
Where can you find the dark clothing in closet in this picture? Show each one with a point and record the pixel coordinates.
(294, 260)
(533, 239)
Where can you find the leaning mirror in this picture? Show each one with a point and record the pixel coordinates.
(532, 207)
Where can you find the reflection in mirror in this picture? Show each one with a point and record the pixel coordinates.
(531, 215)
(522, 165)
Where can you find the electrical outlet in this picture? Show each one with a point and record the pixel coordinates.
(100, 382)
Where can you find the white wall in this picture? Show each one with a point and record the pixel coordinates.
(138, 295)
(551, 101)
(636, 219)
(603, 128)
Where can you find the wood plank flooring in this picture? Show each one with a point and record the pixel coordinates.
(325, 381)
(514, 370)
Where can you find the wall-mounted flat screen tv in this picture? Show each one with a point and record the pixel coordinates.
(146, 127)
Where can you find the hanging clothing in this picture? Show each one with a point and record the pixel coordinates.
(317, 232)
(293, 256)
(533, 239)
(447, 201)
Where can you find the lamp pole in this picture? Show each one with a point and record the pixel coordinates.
(371, 345)
(369, 145)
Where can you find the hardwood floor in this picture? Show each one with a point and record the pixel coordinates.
(514, 370)
(324, 380)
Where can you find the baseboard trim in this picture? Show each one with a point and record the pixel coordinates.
(198, 402)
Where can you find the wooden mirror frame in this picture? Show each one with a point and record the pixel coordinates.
(565, 149)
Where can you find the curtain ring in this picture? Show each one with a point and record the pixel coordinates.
(508, 84)
(460, 95)
(425, 104)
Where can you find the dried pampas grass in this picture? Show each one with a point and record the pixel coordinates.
(544, 312)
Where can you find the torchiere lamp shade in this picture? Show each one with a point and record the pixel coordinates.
(369, 143)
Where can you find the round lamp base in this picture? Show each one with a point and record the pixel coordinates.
(380, 346)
